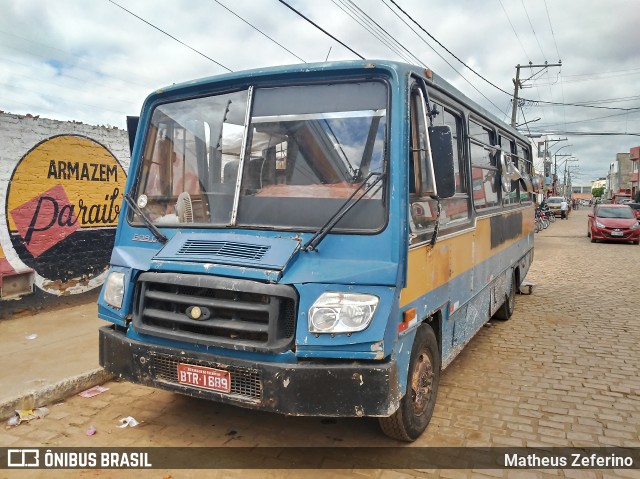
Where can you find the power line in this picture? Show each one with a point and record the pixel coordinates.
(551, 27)
(559, 57)
(526, 123)
(423, 40)
(595, 77)
(171, 36)
(630, 71)
(319, 28)
(258, 30)
(438, 53)
(609, 100)
(491, 83)
(445, 48)
(612, 100)
(583, 133)
(533, 30)
(514, 31)
(375, 29)
(393, 39)
(580, 105)
(359, 20)
(588, 119)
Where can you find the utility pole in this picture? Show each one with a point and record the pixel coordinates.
(569, 176)
(564, 178)
(519, 84)
(555, 169)
(547, 159)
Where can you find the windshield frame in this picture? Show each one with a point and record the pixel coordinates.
(250, 88)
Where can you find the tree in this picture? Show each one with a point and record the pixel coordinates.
(597, 192)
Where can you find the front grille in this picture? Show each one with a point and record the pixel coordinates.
(239, 314)
(228, 249)
(609, 234)
(244, 381)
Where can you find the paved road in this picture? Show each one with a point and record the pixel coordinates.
(562, 372)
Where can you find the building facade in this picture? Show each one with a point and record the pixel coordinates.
(619, 175)
(634, 177)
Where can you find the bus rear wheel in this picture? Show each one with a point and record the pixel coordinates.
(416, 407)
(506, 310)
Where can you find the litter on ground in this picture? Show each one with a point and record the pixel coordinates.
(94, 391)
(128, 421)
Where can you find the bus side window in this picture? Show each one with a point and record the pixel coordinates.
(509, 148)
(484, 171)
(525, 166)
(455, 210)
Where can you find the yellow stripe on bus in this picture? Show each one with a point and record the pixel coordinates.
(430, 268)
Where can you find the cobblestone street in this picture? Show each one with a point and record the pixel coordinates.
(562, 372)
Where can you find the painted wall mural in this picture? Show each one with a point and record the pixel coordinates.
(61, 206)
(62, 211)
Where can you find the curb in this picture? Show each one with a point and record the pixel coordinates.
(54, 392)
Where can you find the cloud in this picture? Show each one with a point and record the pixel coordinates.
(93, 62)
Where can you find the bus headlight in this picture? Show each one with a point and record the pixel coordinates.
(114, 289)
(342, 312)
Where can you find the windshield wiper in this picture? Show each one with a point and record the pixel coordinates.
(154, 230)
(324, 230)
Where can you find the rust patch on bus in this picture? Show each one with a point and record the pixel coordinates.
(440, 261)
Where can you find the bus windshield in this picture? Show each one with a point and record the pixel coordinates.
(290, 163)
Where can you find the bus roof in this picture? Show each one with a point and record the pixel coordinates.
(293, 72)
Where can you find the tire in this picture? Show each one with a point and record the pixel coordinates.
(506, 310)
(552, 218)
(593, 240)
(416, 407)
(588, 233)
(545, 223)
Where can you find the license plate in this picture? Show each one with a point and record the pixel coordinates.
(617, 233)
(206, 378)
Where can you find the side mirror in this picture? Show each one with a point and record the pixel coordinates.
(441, 141)
(132, 128)
(529, 183)
(508, 172)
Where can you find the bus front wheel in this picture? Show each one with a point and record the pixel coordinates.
(416, 407)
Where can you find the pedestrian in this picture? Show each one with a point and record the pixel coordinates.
(564, 206)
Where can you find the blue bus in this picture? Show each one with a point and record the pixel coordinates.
(319, 239)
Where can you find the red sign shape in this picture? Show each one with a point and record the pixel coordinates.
(45, 220)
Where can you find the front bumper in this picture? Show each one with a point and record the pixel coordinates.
(315, 388)
(558, 212)
(609, 234)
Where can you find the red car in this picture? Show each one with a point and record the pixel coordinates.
(614, 223)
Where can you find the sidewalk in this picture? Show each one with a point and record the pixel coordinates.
(48, 356)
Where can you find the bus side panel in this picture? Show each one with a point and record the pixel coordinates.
(466, 276)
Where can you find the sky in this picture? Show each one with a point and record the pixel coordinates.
(95, 62)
